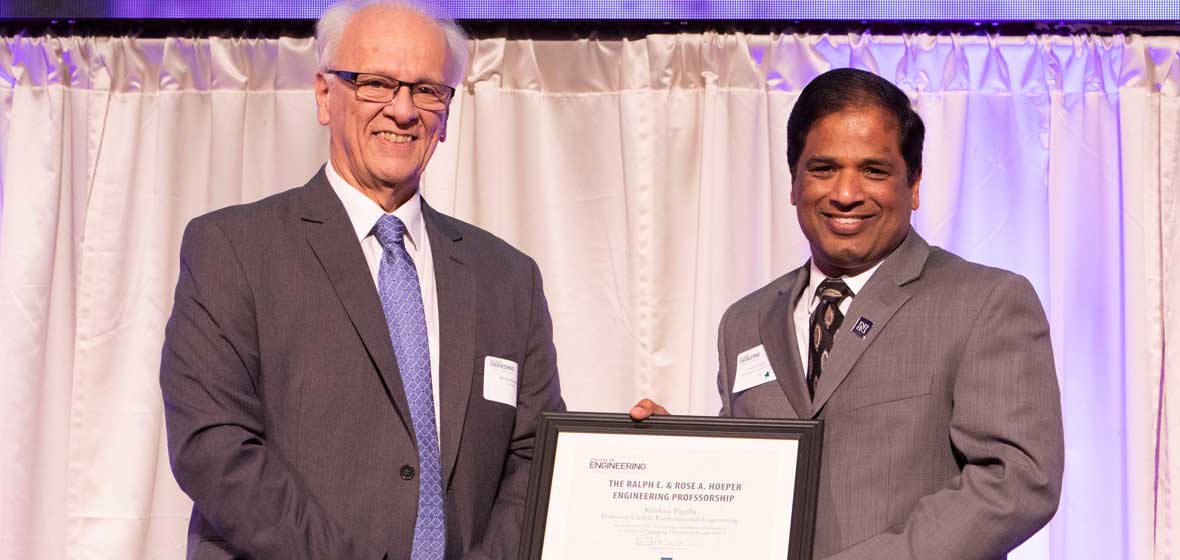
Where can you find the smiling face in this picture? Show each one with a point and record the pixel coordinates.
(850, 190)
(381, 148)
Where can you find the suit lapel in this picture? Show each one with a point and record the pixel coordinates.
(455, 286)
(880, 299)
(776, 329)
(333, 241)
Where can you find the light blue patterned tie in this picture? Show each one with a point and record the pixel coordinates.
(401, 299)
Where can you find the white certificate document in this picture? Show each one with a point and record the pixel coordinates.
(669, 497)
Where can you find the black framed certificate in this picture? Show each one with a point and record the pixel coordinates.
(672, 488)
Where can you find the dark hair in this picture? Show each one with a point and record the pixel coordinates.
(837, 90)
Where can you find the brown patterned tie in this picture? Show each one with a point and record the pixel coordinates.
(824, 321)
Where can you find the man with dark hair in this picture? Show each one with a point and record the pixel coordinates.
(933, 375)
(348, 373)
(837, 90)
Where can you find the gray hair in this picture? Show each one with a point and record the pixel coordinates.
(329, 31)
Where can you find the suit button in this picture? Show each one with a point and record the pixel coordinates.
(407, 472)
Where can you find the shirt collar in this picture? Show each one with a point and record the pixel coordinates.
(364, 213)
(855, 283)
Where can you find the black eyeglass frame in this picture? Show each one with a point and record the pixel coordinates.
(353, 78)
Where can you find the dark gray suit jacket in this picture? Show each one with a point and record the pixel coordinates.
(943, 434)
(287, 423)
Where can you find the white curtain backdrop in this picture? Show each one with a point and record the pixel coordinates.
(647, 176)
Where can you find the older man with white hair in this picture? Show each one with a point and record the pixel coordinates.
(348, 373)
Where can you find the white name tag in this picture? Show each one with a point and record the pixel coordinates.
(753, 369)
(499, 380)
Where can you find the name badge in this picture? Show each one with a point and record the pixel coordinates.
(753, 369)
(499, 380)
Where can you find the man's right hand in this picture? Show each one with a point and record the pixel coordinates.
(645, 408)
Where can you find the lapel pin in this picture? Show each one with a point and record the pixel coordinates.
(862, 327)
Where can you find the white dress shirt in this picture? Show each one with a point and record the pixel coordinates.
(364, 213)
(803, 313)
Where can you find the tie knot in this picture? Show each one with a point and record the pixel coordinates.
(833, 290)
(390, 231)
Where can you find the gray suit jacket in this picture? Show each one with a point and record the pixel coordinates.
(943, 434)
(287, 422)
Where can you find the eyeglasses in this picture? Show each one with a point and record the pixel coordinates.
(382, 89)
